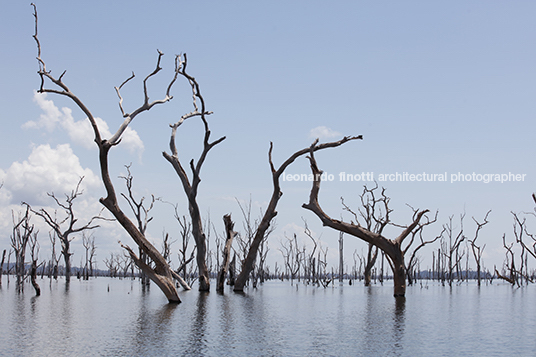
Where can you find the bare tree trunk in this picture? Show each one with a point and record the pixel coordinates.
(399, 272)
(70, 220)
(190, 187)
(161, 273)
(8, 269)
(232, 271)
(391, 247)
(271, 212)
(229, 225)
(341, 257)
(34, 251)
(67, 259)
(2, 266)
(33, 275)
(371, 260)
(22, 232)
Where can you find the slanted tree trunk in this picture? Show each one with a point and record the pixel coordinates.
(22, 231)
(270, 213)
(391, 247)
(232, 272)
(477, 251)
(190, 186)
(33, 275)
(371, 260)
(34, 251)
(34, 266)
(161, 273)
(230, 234)
(2, 266)
(141, 213)
(399, 271)
(341, 257)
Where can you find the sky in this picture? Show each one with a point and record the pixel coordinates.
(444, 88)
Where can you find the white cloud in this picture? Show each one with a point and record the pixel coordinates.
(56, 170)
(5, 195)
(79, 132)
(46, 170)
(323, 132)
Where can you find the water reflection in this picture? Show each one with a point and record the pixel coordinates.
(153, 328)
(197, 342)
(274, 320)
(21, 326)
(227, 323)
(384, 323)
(399, 324)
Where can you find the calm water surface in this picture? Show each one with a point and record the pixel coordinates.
(111, 317)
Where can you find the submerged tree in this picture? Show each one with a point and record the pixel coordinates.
(22, 232)
(391, 247)
(89, 245)
(478, 250)
(191, 185)
(2, 266)
(226, 252)
(160, 272)
(270, 213)
(34, 252)
(64, 228)
(450, 247)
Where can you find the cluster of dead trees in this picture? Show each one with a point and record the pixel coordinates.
(519, 252)
(24, 242)
(244, 264)
(148, 259)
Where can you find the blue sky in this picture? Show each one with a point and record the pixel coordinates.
(433, 87)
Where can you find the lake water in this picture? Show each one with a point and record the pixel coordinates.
(111, 317)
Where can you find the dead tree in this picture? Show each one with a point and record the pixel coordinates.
(292, 256)
(356, 271)
(374, 211)
(262, 269)
(191, 185)
(413, 259)
(111, 264)
(34, 252)
(184, 258)
(8, 268)
(2, 266)
(232, 272)
(92, 255)
(245, 239)
(161, 273)
(65, 227)
(510, 273)
(166, 247)
(124, 263)
(141, 213)
(311, 274)
(230, 234)
(86, 242)
(22, 232)
(520, 231)
(391, 247)
(450, 246)
(478, 251)
(369, 263)
(55, 259)
(185, 230)
(322, 261)
(271, 212)
(341, 257)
